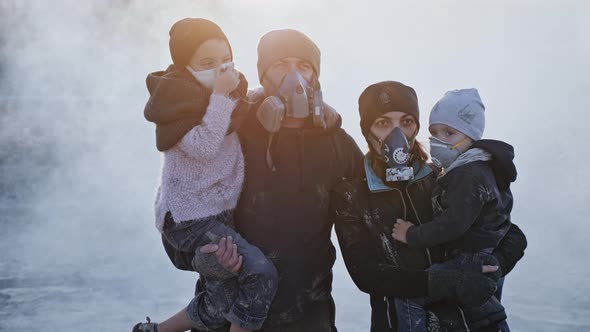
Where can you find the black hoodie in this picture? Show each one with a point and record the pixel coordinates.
(472, 201)
(284, 210)
(178, 103)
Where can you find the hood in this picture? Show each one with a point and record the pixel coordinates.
(502, 161)
(174, 94)
(178, 103)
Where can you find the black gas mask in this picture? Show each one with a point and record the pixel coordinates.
(395, 152)
(295, 98)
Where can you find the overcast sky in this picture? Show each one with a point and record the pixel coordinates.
(82, 167)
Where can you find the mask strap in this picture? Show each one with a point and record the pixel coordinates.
(460, 142)
(376, 139)
(269, 161)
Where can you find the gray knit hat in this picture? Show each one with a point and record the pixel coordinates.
(280, 44)
(462, 110)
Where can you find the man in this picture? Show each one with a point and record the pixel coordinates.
(295, 152)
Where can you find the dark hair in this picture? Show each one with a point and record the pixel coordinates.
(418, 151)
(378, 164)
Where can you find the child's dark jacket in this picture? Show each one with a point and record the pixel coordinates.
(471, 202)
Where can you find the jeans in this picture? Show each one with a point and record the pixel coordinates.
(411, 315)
(241, 298)
(503, 325)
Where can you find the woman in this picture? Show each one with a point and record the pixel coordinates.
(397, 183)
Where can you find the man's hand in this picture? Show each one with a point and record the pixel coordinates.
(226, 253)
(400, 229)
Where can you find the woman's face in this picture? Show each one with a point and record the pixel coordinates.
(210, 54)
(384, 125)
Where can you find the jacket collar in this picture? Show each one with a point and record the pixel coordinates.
(469, 156)
(376, 184)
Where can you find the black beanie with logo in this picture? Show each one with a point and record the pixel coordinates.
(385, 97)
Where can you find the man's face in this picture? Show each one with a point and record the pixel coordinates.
(274, 75)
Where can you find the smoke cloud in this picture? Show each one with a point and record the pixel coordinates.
(78, 165)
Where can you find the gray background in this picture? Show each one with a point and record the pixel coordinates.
(78, 166)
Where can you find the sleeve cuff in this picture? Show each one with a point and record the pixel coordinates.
(222, 102)
(412, 237)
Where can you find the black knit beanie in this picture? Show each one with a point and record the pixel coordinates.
(188, 34)
(385, 97)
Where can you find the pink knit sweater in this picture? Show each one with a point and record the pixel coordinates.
(203, 173)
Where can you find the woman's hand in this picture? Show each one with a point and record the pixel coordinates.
(466, 285)
(489, 268)
(226, 80)
(400, 229)
(226, 253)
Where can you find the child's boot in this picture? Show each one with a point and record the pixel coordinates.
(146, 327)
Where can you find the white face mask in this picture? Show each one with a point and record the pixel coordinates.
(207, 77)
(443, 154)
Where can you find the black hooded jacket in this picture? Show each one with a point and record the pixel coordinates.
(284, 210)
(472, 201)
(364, 214)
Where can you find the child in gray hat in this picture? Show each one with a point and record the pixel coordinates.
(471, 201)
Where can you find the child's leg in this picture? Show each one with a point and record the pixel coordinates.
(206, 311)
(411, 316)
(491, 312)
(221, 301)
(177, 323)
(257, 281)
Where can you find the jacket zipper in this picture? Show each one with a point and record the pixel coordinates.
(464, 320)
(388, 313)
(301, 156)
(419, 222)
(401, 194)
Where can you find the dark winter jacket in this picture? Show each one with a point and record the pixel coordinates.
(178, 103)
(471, 212)
(364, 211)
(284, 211)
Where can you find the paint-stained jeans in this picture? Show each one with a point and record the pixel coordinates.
(243, 298)
(411, 316)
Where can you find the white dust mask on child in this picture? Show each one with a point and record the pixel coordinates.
(443, 154)
(207, 77)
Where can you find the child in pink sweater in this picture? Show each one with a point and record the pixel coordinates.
(192, 104)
